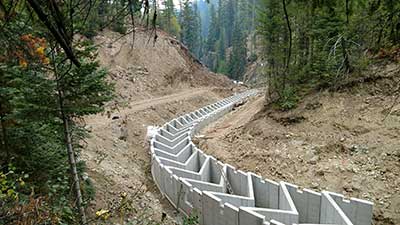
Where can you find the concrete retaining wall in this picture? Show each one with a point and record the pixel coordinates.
(218, 194)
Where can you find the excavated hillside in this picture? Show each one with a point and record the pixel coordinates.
(143, 69)
(153, 84)
(344, 141)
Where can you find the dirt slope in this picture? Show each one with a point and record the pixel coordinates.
(332, 141)
(141, 70)
(153, 84)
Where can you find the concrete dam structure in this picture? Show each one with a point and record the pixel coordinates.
(198, 184)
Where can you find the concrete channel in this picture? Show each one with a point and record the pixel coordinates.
(219, 194)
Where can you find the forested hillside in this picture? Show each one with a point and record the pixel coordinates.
(323, 44)
(299, 45)
(219, 33)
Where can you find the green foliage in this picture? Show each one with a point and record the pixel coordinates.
(231, 23)
(34, 79)
(222, 67)
(190, 24)
(168, 20)
(94, 16)
(20, 204)
(238, 57)
(193, 219)
(119, 27)
(288, 99)
(253, 57)
(175, 28)
(213, 33)
(330, 41)
(11, 184)
(85, 89)
(212, 42)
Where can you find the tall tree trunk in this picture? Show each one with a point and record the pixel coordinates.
(71, 157)
(289, 53)
(68, 143)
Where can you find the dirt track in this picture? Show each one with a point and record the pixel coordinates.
(234, 120)
(182, 95)
(117, 153)
(133, 107)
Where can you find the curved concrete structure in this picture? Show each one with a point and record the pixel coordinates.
(195, 182)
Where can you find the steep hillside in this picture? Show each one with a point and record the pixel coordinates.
(143, 69)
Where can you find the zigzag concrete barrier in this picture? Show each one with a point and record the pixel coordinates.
(195, 182)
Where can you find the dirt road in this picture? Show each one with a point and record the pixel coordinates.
(133, 107)
(117, 154)
(234, 120)
(179, 96)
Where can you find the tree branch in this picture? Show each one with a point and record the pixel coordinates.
(54, 31)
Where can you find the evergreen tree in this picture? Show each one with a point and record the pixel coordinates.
(221, 47)
(222, 66)
(318, 43)
(191, 27)
(238, 56)
(40, 98)
(222, 36)
(168, 20)
(169, 12)
(229, 15)
(212, 40)
(212, 33)
(197, 30)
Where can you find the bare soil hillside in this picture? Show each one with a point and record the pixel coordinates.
(153, 85)
(143, 69)
(341, 141)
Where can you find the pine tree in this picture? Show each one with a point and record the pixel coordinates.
(238, 57)
(229, 15)
(190, 33)
(168, 20)
(223, 36)
(169, 12)
(270, 29)
(198, 42)
(222, 66)
(80, 91)
(212, 40)
(212, 33)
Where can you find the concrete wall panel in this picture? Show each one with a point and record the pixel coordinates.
(196, 183)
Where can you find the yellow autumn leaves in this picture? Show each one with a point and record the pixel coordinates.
(32, 50)
(8, 186)
(103, 214)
